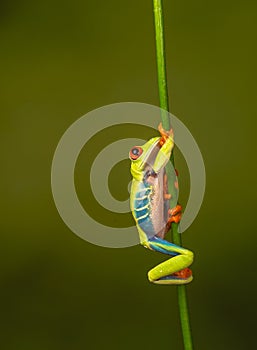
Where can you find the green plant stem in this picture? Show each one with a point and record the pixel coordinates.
(164, 104)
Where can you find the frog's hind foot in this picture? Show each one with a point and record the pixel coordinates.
(180, 277)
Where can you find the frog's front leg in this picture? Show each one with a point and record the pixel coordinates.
(167, 143)
(175, 270)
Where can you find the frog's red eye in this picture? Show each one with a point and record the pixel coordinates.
(135, 152)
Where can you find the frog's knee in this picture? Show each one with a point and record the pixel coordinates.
(151, 277)
(190, 256)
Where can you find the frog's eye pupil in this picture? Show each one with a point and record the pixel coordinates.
(135, 153)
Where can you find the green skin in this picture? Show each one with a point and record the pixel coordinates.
(153, 157)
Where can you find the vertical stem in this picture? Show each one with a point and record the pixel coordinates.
(164, 104)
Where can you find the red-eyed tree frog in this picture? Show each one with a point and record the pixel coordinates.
(149, 202)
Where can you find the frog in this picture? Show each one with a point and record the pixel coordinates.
(150, 207)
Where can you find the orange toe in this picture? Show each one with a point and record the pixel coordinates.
(185, 273)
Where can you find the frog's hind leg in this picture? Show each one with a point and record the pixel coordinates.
(175, 270)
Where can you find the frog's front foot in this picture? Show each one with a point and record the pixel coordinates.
(164, 134)
(175, 214)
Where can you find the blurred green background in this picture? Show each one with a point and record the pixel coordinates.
(59, 60)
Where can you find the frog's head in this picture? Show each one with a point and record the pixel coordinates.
(143, 156)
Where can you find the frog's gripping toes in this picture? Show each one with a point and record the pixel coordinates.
(175, 214)
(149, 201)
